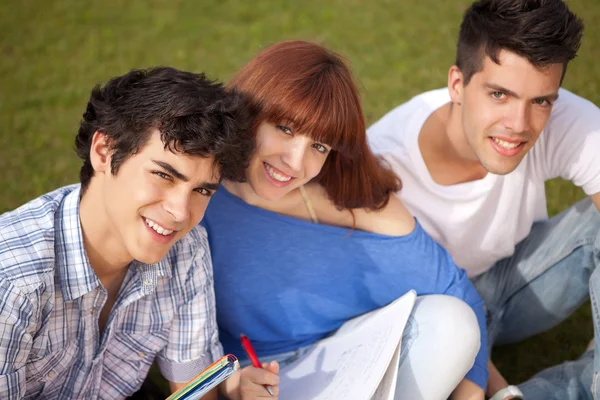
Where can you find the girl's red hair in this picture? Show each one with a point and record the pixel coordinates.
(311, 87)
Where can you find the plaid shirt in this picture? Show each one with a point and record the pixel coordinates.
(50, 302)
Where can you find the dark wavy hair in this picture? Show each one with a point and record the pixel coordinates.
(194, 116)
(544, 32)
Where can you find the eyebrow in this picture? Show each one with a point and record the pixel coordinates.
(493, 86)
(210, 185)
(170, 169)
(178, 175)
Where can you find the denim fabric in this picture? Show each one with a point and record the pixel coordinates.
(552, 273)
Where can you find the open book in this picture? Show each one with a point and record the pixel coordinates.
(359, 361)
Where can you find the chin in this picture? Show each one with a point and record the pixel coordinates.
(146, 258)
(269, 193)
(499, 169)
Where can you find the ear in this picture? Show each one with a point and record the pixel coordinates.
(100, 156)
(455, 85)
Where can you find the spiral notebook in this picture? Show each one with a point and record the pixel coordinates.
(216, 373)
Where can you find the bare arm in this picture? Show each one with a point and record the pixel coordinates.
(467, 390)
(596, 200)
(496, 381)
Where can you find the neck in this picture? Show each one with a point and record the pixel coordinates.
(455, 136)
(106, 253)
(244, 191)
(445, 149)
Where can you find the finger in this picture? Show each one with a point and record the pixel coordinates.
(273, 366)
(260, 376)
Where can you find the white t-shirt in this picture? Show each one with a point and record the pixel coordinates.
(480, 222)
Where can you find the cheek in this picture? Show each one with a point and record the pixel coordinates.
(197, 211)
(483, 124)
(538, 123)
(147, 190)
(267, 143)
(481, 115)
(314, 166)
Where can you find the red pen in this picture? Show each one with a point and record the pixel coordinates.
(253, 358)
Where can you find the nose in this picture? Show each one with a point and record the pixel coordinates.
(518, 118)
(177, 205)
(293, 156)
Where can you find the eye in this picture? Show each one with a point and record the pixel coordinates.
(498, 95)
(162, 175)
(542, 102)
(285, 129)
(320, 148)
(204, 192)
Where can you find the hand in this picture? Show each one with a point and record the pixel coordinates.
(252, 381)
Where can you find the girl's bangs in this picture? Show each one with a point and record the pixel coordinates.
(326, 116)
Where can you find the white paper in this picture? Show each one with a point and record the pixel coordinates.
(387, 386)
(352, 362)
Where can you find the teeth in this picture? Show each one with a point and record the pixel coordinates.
(277, 176)
(159, 229)
(505, 144)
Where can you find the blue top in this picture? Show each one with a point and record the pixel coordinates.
(287, 283)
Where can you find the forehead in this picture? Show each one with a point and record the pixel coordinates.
(518, 75)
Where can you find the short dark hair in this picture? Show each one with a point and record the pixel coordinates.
(544, 32)
(194, 116)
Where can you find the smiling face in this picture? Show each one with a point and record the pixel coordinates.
(504, 108)
(284, 160)
(154, 199)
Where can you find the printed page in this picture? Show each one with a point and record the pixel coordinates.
(352, 362)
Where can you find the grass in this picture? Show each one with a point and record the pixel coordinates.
(54, 52)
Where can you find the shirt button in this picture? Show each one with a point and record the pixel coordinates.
(141, 354)
(50, 374)
(94, 310)
(148, 282)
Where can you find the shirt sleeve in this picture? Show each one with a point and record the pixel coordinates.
(16, 314)
(568, 147)
(193, 340)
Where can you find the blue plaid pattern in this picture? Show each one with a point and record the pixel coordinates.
(50, 302)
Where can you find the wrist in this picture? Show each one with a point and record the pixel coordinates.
(509, 392)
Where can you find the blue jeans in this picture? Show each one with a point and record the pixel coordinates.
(551, 274)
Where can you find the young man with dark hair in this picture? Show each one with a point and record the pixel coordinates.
(473, 159)
(99, 279)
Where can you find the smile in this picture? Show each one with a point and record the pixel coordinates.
(157, 228)
(276, 174)
(506, 148)
(505, 144)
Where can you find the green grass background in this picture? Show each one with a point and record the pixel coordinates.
(53, 52)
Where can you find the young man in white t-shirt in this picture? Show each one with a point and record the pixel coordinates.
(473, 159)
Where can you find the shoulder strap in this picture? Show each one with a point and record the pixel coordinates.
(307, 203)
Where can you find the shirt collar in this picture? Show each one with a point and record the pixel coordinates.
(149, 273)
(76, 275)
(74, 270)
